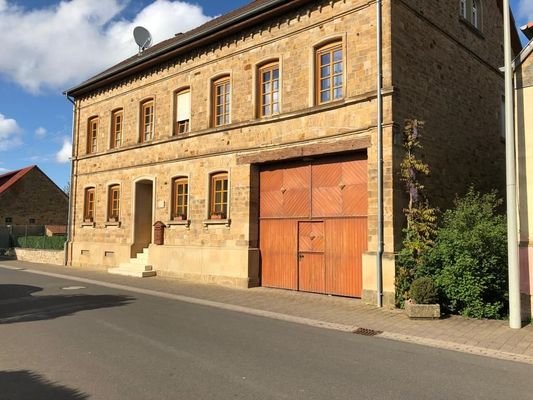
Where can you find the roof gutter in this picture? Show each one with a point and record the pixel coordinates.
(181, 46)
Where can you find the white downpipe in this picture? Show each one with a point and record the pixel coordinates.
(379, 99)
(515, 320)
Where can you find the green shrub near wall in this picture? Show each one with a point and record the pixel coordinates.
(469, 258)
(41, 242)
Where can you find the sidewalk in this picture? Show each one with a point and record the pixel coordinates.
(481, 337)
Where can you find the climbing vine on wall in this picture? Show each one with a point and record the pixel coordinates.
(421, 217)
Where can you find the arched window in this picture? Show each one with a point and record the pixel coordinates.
(147, 121)
(88, 204)
(218, 201)
(180, 198)
(117, 119)
(221, 101)
(182, 105)
(329, 80)
(268, 90)
(92, 135)
(113, 203)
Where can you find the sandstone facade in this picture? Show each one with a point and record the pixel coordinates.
(436, 67)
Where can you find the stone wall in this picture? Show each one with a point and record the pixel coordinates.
(56, 257)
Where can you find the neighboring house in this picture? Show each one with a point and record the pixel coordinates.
(523, 66)
(253, 138)
(29, 197)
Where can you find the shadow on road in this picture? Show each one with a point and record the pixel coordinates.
(27, 385)
(17, 304)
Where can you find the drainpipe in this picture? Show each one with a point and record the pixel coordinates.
(71, 185)
(515, 320)
(379, 99)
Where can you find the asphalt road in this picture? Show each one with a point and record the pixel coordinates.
(63, 342)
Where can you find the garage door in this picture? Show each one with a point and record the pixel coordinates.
(313, 225)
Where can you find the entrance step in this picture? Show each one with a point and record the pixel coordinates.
(137, 267)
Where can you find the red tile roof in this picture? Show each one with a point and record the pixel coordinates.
(10, 178)
(56, 229)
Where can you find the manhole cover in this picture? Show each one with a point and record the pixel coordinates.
(367, 332)
(73, 287)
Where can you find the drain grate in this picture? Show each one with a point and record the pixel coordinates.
(367, 332)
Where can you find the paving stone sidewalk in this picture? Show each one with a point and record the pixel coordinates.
(481, 337)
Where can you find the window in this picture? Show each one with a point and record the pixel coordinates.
(469, 10)
(92, 135)
(147, 121)
(329, 73)
(462, 8)
(31, 221)
(180, 198)
(116, 128)
(183, 112)
(219, 196)
(221, 101)
(9, 220)
(474, 19)
(113, 203)
(269, 90)
(88, 209)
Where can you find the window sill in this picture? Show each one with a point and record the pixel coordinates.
(178, 222)
(226, 222)
(87, 224)
(471, 27)
(112, 223)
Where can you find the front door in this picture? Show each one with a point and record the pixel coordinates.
(142, 216)
(311, 266)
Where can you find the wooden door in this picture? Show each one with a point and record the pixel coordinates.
(311, 266)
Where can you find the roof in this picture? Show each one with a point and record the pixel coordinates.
(248, 15)
(241, 18)
(9, 179)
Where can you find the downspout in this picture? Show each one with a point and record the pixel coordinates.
(515, 320)
(379, 99)
(68, 247)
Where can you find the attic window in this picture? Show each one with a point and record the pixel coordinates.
(9, 220)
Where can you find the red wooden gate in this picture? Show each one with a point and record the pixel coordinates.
(313, 225)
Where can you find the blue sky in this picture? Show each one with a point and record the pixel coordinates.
(49, 46)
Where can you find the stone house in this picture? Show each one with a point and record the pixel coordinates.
(254, 139)
(29, 197)
(523, 67)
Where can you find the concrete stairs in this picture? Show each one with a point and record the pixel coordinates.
(137, 267)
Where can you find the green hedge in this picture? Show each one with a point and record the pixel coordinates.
(41, 242)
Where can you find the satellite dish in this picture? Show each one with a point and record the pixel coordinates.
(142, 37)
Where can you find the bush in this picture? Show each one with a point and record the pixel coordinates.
(41, 242)
(469, 259)
(424, 291)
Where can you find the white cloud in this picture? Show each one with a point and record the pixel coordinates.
(63, 155)
(525, 10)
(10, 133)
(55, 47)
(40, 132)
(2, 170)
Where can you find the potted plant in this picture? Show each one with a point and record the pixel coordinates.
(423, 302)
(218, 215)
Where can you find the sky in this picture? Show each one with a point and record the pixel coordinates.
(49, 46)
